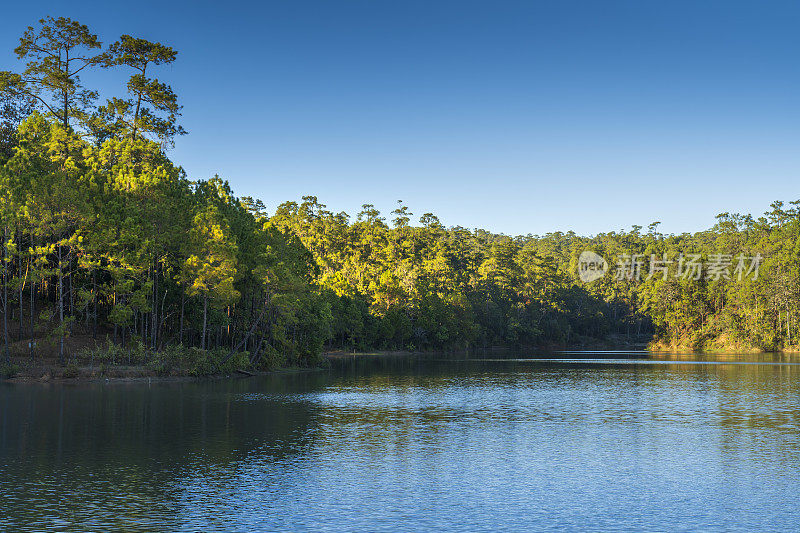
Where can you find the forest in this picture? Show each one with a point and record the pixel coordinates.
(110, 250)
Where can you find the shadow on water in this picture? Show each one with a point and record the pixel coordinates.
(104, 454)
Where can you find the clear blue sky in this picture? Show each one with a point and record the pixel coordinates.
(519, 117)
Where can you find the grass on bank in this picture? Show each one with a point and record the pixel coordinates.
(97, 359)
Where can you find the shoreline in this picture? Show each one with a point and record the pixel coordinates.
(46, 372)
(54, 374)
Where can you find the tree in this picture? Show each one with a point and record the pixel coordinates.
(56, 53)
(153, 107)
(210, 269)
(14, 109)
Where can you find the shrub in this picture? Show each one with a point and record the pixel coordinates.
(208, 362)
(71, 371)
(169, 359)
(272, 359)
(8, 371)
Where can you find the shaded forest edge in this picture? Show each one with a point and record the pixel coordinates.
(110, 252)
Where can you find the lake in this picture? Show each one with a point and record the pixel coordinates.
(572, 441)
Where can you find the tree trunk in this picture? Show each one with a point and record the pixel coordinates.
(788, 326)
(205, 317)
(71, 300)
(65, 93)
(60, 306)
(21, 283)
(138, 110)
(94, 303)
(257, 353)
(33, 298)
(247, 336)
(183, 301)
(154, 312)
(162, 322)
(5, 299)
(114, 303)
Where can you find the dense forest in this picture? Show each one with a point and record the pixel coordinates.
(107, 241)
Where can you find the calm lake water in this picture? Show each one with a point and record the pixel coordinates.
(603, 441)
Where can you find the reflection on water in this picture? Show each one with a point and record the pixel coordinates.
(597, 441)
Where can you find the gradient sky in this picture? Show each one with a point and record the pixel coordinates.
(518, 117)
